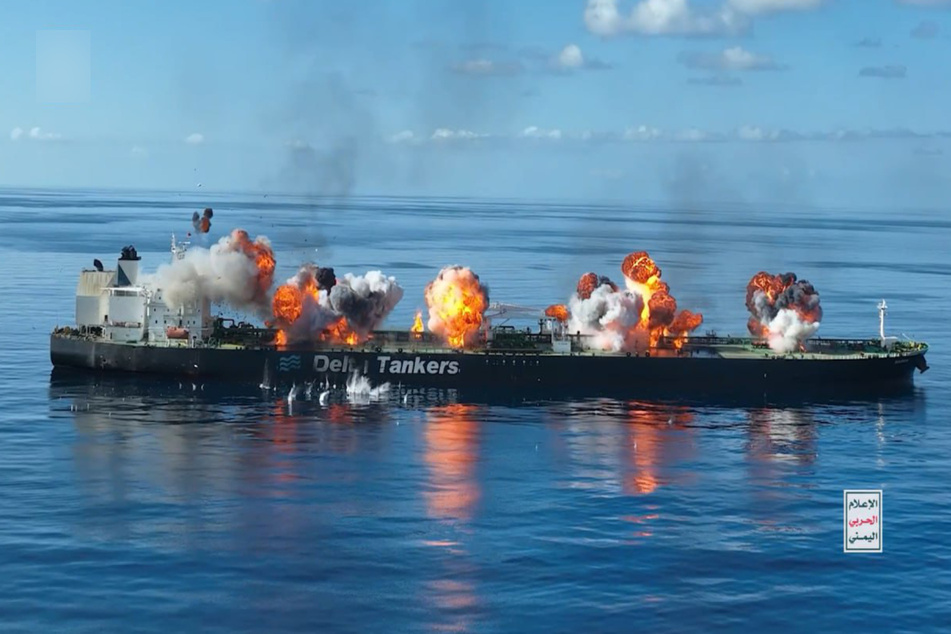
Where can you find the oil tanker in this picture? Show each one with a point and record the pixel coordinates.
(124, 326)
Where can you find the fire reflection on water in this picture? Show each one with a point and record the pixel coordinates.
(451, 447)
(451, 444)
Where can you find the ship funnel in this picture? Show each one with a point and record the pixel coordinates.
(128, 270)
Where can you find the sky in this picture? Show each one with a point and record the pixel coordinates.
(809, 102)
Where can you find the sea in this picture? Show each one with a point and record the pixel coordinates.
(137, 505)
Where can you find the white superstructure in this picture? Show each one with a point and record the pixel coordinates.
(115, 304)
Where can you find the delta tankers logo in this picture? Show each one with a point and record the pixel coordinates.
(288, 363)
(387, 365)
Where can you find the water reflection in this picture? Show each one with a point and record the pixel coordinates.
(782, 434)
(657, 438)
(451, 438)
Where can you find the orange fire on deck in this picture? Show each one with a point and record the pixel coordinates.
(659, 316)
(418, 322)
(627, 319)
(340, 332)
(302, 294)
(783, 307)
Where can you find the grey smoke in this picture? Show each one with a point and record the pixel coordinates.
(365, 300)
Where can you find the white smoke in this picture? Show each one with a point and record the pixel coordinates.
(365, 300)
(608, 315)
(787, 329)
(224, 273)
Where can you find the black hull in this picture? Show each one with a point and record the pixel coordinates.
(481, 370)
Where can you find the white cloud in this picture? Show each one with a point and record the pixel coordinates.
(660, 17)
(534, 132)
(650, 134)
(138, 152)
(770, 6)
(446, 134)
(733, 58)
(34, 134)
(570, 57)
(404, 136)
(195, 138)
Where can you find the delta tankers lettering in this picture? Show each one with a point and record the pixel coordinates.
(384, 364)
(417, 366)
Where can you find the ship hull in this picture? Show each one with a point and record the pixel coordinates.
(478, 370)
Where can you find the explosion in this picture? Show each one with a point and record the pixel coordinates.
(236, 271)
(202, 223)
(457, 301)
(591, 281)
(314, 305)
(785, 310)
(634, 318)
(558, 311)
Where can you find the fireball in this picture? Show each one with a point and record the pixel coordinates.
(457, 301)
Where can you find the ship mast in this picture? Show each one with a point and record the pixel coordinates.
(882, 307)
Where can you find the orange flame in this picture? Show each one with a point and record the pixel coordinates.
(418, 322)
(288, 303)
(340, 332)
(456, 301)
(805, 302)
(659, 315)
(591, 281)
(558, 311)
(260, 252)
(280, 339)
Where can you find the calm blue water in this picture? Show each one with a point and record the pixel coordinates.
(136, 506)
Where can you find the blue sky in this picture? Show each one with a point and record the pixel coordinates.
(807, 101)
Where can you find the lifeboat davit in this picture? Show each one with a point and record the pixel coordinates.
(173, 332)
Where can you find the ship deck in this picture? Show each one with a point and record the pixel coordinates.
(827, 350)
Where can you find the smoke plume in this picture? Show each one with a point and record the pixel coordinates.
(785, 310)
(608, 314)
(313, 305)
(202, 223)
(365, 300)
(235, 271)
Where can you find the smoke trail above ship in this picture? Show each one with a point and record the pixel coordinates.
(237, 271)
(785, 310)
